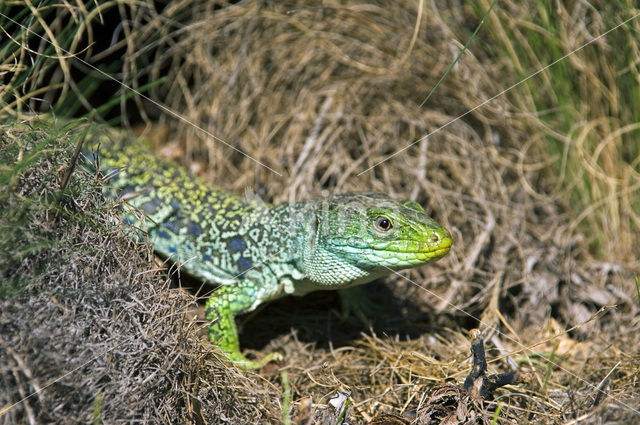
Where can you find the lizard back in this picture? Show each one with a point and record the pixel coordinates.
(215, 236)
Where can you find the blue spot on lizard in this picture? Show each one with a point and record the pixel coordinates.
(194, 229)
(152, 206)
(244, 263)
(172, 226)
(237, 244)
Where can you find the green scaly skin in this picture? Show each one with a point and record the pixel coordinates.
(257, 252)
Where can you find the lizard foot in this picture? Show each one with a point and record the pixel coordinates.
(355, 300)
(243, 363)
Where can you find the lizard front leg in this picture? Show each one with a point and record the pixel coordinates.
(221, 309)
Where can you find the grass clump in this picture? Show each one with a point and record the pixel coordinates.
(24, 208)
(587, 100)
(63, 57)
(89, 330)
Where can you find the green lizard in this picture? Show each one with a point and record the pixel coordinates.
(256, 252)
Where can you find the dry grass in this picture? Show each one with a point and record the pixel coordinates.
(90, 326)
(539, 188)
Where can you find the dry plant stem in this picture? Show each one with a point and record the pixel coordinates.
(478, 384)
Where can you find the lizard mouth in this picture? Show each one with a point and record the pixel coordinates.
(408, 256)
(439, 253)
(410, 253)
(439, 245)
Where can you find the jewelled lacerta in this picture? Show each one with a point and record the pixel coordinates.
(257, 252)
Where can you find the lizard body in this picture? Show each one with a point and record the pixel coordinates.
(257, 252)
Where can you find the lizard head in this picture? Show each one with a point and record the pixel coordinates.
(356, 237)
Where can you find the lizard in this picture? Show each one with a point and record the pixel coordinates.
(256, 252)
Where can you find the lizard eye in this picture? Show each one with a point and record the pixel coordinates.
(383, 223)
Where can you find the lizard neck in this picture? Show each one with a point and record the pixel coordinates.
(318, 268)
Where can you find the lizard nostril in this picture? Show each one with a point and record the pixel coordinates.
(435, 238)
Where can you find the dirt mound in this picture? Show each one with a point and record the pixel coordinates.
(89, 329)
